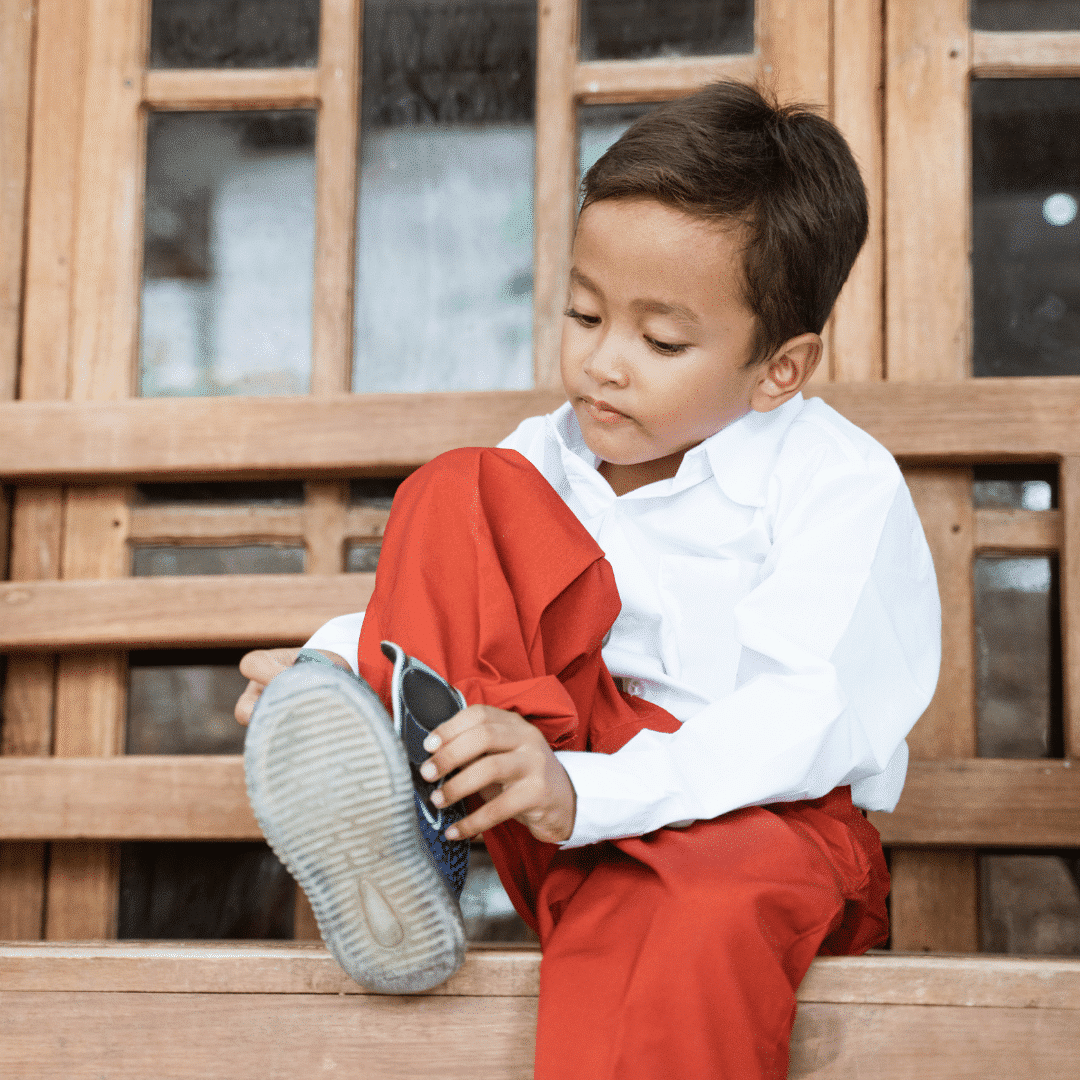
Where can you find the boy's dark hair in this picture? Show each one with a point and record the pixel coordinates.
(730, 154)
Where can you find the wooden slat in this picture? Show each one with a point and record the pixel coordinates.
(555, 194)
(235, 524)
(16, 40)
(1019, 530)
(928, 207)
(857, 324)
(794, 39)
(1069, 495)
(335, 195)
(934, 900)
(1044, 54)
(972, 803)
(598, 82)
(252, 609)
(250, 88)
(986, 803)
(324, 526)
(984, 419)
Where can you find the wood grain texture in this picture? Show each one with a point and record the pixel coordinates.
(335, 194)
(1025, 55)
(16, 64)
(244, 524)
(556, 177)
(927, 209)
(324, 518)
(22, 890)
(252, 88)
(1069, 497)
(248, 609)
(934, 902)
(857, 344)
(227, 438)
(598, 82)
(794, 38)
(1033, 531)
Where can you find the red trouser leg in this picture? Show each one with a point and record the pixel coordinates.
(672, 955)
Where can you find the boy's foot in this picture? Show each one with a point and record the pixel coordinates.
(330, 783)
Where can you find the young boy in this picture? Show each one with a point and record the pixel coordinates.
(692, 614)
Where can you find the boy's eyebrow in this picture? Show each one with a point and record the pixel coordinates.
(645, 307)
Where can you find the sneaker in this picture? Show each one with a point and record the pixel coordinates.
(331, 785)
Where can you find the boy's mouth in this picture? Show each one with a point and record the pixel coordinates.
(601, 412)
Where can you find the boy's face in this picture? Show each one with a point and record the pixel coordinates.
(656, 337)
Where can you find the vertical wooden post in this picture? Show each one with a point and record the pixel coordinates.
(1069, 500)
(555, 198)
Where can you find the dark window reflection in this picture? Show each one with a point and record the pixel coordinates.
(1030, 903)
(362, 557)
(234, 33)
(221, 493)
(1018, 646)
(180, 701)
(639, 29)
(1026, 254)
(1025, 15)
(210, 891)
(376, 492)
(444, 233)
(1015, 487)
(174, 560)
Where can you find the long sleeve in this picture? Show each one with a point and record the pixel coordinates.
(839, 646)
(340, 635)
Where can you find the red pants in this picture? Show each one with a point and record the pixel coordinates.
(673, 955)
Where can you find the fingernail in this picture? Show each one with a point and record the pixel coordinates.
(428, 770)
(452, 833)
(432, 743)
(438, 798)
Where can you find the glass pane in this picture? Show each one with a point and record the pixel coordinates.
(234, 33)
(229, 252)
(637, 29)
(1015, 487)
(222, 493)
(485, 907)
(376, 493)
(203, 890)
(174, 560)
(1025, 15)
(1018, 675)
(362, 557)
(180, 701)
(599, 126)
(444, 246)
(1026, 242)
(1031, 904)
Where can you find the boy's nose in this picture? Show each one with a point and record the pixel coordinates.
(605, 366)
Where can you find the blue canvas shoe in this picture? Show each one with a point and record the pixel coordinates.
(330, 777)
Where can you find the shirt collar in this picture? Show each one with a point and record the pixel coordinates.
(739, 457)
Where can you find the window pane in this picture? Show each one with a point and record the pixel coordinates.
(362, 557)
(203, 890)
(637, 29)
(234, 33)
(444, 246)
(599, 126)
(1031, 904)
(1026, 254)
(377, 492)
(1025, 15)
(229, 252)
(174, 560)
(180, 701)
(222, 493)
(1018, 675)
(1015, 487)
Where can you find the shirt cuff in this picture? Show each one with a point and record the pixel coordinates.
(341, 636)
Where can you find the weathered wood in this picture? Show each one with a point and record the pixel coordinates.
(997, 55)
(793, 37)
(857, 324)
(556, 177)
(335, 195)
(16, 41)
(242, 524)
(22, 890)
(248, 609)
(984, 419)
(1069, 495)
(240, 88)
(934, 901)
(324, 516)
(1019, 530)
(598, 82)
(928, 206)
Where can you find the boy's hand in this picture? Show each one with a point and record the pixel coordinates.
(261, 666)
(509, 763)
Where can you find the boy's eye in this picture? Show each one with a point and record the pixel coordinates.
(666, 347)
(585, 320)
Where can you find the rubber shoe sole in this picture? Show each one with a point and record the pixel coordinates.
(330, 786)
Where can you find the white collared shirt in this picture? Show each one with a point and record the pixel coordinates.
(778, 598)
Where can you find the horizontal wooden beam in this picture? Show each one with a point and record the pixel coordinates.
(351, 434)
(986, 803)
(240, 524)
(1019, 530)
(978, 803)
(241, 88)
(599, 82)
(1045, 54)
(247, 609)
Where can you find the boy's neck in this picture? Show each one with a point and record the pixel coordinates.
(625, 478)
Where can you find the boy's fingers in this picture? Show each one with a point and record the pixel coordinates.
(263, 664)
(500, 809)
(245, 704)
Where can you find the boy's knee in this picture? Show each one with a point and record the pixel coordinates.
(473, 468)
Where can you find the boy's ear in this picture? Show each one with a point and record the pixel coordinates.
(786, 372)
